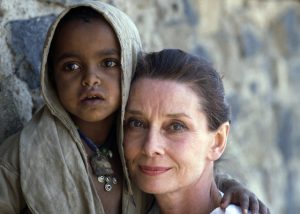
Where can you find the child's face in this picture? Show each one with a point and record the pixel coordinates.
(86, 63)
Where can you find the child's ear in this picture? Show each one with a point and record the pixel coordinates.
(218, 145)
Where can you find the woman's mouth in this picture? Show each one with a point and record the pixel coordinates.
(153, 170)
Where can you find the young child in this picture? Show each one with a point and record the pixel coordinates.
(89, 56)
(69, 158)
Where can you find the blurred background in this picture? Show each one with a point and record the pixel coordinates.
(254, 44)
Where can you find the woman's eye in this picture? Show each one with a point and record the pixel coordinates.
(71, 67)
(134, 123)
(176, 127)
(110, 63)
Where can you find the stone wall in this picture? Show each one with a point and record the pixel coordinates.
(255, 44)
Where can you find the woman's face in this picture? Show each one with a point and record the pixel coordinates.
(167, 141)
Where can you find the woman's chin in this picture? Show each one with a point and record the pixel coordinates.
(152, 187)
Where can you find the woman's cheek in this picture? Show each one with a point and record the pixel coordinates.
(130, 147)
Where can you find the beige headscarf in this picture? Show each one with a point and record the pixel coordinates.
(53, 167)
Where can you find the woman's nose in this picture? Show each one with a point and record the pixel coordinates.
(153, 145)
(91, 77)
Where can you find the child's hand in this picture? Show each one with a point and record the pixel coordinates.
(237, 194)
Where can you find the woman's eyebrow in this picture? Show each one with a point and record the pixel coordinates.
(178, 115)
(173, 115)
(134, 112)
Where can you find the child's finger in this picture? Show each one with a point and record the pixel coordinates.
(263, 209)
(244, 203)
(225, 200)
(254, 205)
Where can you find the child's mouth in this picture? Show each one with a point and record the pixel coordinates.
(92, 99)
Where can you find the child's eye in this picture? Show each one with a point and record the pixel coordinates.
(110, 63)
(177, 127)
(71, 67)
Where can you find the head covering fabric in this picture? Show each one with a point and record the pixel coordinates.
(130, 44)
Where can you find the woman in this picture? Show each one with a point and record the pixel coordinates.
(176, 126)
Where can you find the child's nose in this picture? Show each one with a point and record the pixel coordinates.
(91, 78)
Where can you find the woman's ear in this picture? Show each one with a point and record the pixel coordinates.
(218, 145)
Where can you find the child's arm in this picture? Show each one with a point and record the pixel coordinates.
(11, 197)
(10, 191)
(236, 193)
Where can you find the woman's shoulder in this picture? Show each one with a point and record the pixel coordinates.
(231, 209)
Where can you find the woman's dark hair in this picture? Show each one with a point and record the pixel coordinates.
(204, 80)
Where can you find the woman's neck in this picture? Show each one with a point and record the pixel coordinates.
(201, 197)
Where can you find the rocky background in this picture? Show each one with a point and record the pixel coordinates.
(255, 44)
